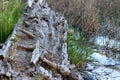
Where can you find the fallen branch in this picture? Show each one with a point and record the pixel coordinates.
(62, 69)
(36, 53)
(47, 75)
(26, 47)
(27, 33)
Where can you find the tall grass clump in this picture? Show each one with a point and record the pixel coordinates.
(10, 11)
(78, 49)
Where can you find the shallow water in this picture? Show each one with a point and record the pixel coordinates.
(105, 41)
(104, 68)
(110, 47)
(107, 65)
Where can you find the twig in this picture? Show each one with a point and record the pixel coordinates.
(62, 69)
(27, 47)
(27, 33)
(36, 53)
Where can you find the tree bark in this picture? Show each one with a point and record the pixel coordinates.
(41, 40)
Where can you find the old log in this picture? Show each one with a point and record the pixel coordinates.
(10, 40)
(41, 40)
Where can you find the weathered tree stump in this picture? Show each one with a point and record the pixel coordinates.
(37, 46)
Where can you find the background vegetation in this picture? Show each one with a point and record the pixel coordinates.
(89, 16)
(109, 10)
(10, 11)
(77, 47)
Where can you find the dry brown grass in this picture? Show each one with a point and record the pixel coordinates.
(81, 13)
(89, 16)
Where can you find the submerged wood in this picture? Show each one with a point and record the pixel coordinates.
(40, 41)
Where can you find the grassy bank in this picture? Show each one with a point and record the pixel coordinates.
(10, 11)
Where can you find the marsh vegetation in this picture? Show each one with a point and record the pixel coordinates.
(10, 11)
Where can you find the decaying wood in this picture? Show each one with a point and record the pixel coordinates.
(27, 23)
(48, 75)
(9, 42)
(44, 72)
(41, 40)
(36, 53)
(62, 69)
(26, 47)
(27, 33)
